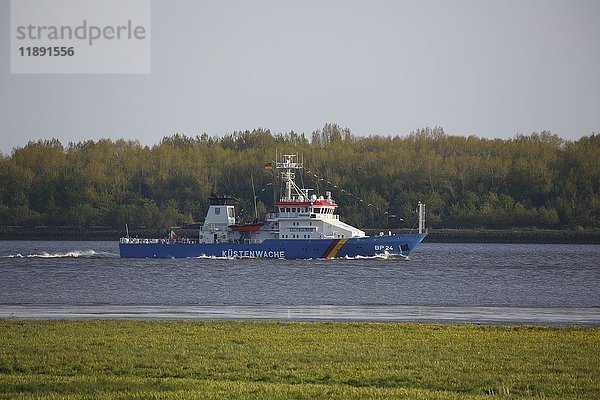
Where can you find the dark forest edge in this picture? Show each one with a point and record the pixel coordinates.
(435, 235)
(537, 182)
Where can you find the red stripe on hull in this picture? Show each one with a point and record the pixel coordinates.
(330, 248)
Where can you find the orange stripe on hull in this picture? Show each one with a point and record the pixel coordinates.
(334, 248)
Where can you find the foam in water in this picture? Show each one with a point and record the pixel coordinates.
(385, 256)
(68, 254)
(205, 257)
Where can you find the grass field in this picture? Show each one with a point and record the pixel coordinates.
(118, 359)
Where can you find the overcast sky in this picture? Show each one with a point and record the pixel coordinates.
(488, 68)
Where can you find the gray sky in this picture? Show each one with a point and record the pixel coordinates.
(489, 68)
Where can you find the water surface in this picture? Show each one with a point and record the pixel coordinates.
(454, 282)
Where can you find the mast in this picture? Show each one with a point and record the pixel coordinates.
(289, 164)
(254, 197)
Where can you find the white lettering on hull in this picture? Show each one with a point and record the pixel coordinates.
(253, 253)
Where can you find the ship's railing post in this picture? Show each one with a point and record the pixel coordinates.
(421, 217)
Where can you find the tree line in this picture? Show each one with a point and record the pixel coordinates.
(537, 180)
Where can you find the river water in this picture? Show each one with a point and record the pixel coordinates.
(497, 283)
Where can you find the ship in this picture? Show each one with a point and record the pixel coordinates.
(301, 226)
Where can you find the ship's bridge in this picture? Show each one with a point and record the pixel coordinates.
(303, 216)
(313, 207)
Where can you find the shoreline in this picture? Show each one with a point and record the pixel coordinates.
(533, 236)
(490, 315)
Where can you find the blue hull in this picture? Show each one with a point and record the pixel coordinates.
(369, 246)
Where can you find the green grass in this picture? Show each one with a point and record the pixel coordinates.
(266, 360)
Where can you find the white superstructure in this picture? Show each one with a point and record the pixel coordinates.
(298, 216)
